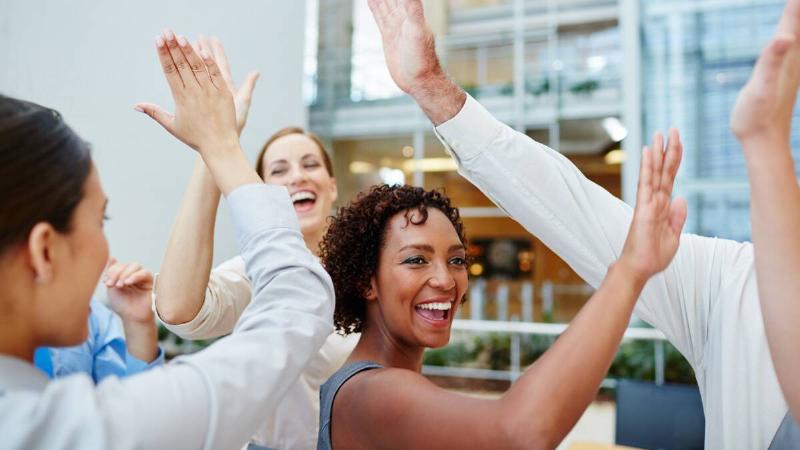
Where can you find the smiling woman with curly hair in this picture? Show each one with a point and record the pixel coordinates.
(397, 258)
(350, 249)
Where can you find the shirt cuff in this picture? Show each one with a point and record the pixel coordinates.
(470, 132)
(136, 365)
(259, 207)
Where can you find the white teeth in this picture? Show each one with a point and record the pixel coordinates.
(303, 195)
(444, 306)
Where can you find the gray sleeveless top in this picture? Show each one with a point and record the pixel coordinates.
(327, 393)
(788, 435)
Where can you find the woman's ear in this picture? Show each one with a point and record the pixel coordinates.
(334, 190)
(41, 251)
(371, 293)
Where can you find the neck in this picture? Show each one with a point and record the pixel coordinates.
(312, 241)
(376, 344)
(16, 334)
(16, 338)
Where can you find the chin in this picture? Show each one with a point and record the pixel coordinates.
(438, 341)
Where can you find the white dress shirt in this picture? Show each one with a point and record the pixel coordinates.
(705, 302)
(294, 423)
(214, 399)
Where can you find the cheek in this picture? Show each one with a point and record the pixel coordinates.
(277, 180)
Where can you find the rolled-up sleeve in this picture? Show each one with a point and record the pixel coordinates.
(227, 295)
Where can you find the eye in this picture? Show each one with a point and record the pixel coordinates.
(458, 261)
(277, 171)
(311, 165)
(415, 260)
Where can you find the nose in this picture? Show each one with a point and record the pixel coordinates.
(297, 174)
(441, 278)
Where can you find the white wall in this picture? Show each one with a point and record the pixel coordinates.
(93, 60)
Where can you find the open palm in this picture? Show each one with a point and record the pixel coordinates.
(657, 220)
(408, 43)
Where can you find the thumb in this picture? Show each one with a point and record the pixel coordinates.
(245, 91)
(158, 114)
(677, 215)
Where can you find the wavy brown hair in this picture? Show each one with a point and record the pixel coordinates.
(351, 247)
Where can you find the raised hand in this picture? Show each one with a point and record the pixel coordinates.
(410, 52)
(657, 220)
(243, 95)
(205, 116)
(763, 110)
(130, 288)
(408, 43)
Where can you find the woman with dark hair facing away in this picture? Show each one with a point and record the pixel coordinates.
(196, 301)
(397, 257)
(53, 251)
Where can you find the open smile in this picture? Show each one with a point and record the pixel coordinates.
(304, 201)
(434, 313)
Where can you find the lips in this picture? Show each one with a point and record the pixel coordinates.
(434, 313)
(304, 201)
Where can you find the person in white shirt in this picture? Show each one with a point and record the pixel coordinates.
(196, 302)
(706, 302)
(762, 121)
(53, 251)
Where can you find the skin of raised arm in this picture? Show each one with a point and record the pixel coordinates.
(546, 402)
(181, 287)
(762, 120)
(186, 268)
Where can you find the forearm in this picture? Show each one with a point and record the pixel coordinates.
(775, 212)
(141, 339)
(181, 286)
(550, 397)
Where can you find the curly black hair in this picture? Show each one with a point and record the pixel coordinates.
(350, 249)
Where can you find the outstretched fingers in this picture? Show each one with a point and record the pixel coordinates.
(168, 66)
(196, 64)
(179, 60)
(672, 161)
(658, 158)
(214, 70)
(645, 191)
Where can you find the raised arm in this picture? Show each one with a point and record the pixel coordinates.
(181, 288)
(543, 191)
(762, 120)
(218, 397)
(546, 402)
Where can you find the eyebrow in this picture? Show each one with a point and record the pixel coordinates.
(428, 248)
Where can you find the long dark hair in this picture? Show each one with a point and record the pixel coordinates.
(43, 167)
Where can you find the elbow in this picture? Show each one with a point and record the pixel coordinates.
(534, 433)
(170, 312)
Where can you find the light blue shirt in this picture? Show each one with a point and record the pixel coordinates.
(103, 354)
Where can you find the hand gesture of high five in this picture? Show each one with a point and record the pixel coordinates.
(205, 116)
(657, 220)
(243, 95)
(763, 110)
(410, 52)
